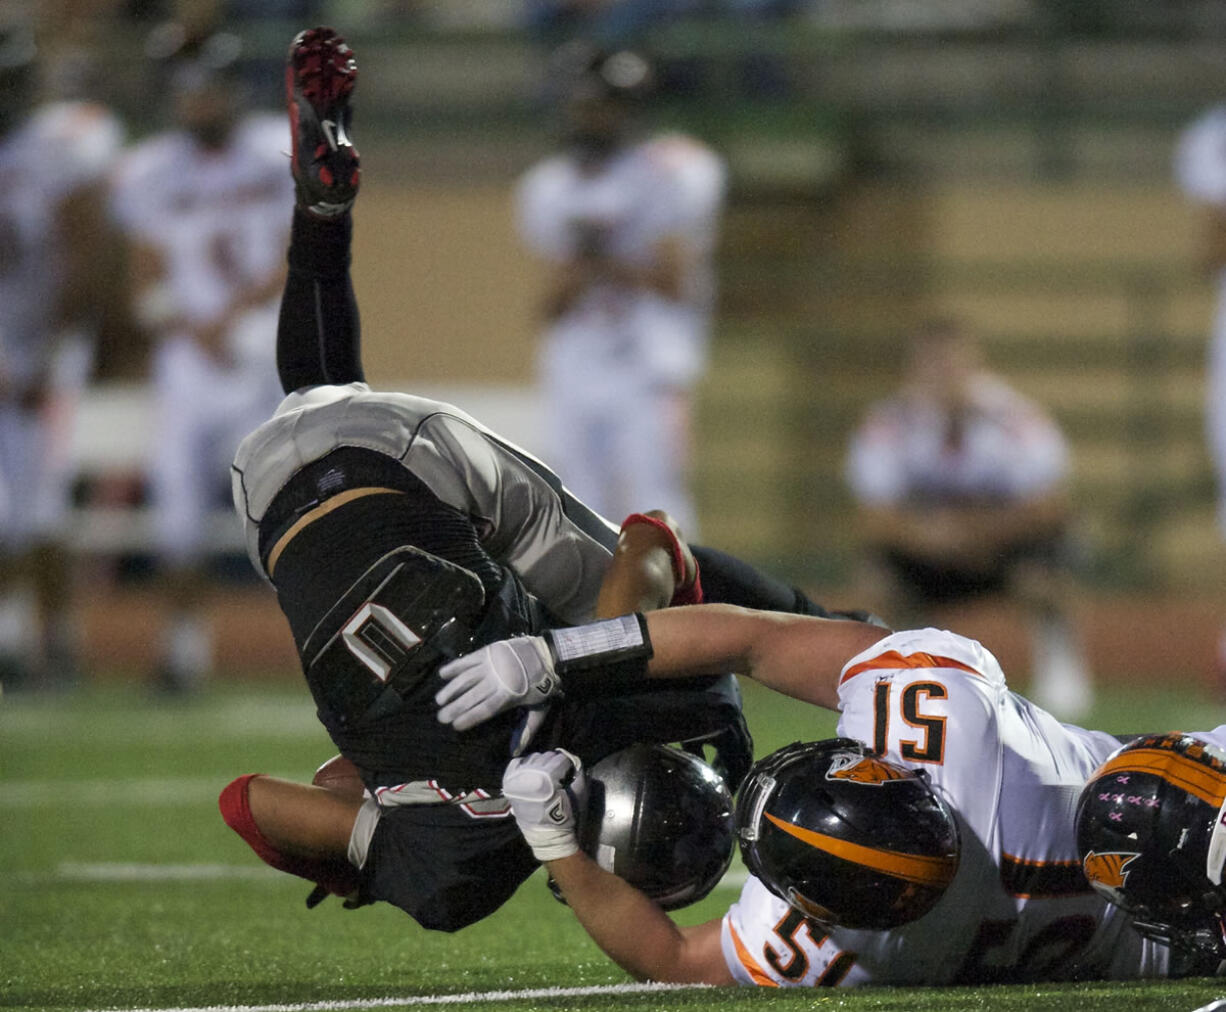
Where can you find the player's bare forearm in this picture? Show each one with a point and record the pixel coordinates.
(896, 528)
(999, 526)
(963, 534)
(634, 932)
(797, 655)
(641, 576)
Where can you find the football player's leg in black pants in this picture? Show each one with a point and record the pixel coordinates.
(319, 331)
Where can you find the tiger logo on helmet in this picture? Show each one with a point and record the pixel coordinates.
(1108, 872)
(865, 769)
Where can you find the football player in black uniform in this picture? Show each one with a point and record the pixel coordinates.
(399, 532)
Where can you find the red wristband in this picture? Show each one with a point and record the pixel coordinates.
(685, 594)
(691, 594)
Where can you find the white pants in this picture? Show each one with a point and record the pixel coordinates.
(625, 453)
(203, 409)
(35, 471)
(1215, 405)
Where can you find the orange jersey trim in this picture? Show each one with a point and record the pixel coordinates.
(1179, 770)
(756, 973)
(893, 659)
(929, 871)
(1030, 878)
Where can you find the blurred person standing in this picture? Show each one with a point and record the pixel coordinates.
(1200, 171)
(626, 225)
(962, 488)
(204, 207)
(54, 253)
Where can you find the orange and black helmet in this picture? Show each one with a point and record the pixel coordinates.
(1151, 839)
(845, 836)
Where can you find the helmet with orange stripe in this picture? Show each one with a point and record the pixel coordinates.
(1151, 838)
(846, 837)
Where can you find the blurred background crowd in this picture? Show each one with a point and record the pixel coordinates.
(912, 303)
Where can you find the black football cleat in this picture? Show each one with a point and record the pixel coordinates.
(319, 77)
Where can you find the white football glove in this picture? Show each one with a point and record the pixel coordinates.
(547, 791)
(509, 673)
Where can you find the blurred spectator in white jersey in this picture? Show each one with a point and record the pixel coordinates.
(626, 225)
(1200, 170)
(962, 488)
(205, 207)
(54, 249)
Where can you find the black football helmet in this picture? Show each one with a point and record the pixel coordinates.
(846, 837)
(1151, 838)
(661, 819)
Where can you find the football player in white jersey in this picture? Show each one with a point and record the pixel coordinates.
(962, 489)
(626, 226)
(54, 160)
(1200, 171)
(205, 206)
(933, 843)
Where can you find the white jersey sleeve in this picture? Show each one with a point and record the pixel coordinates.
(133, 198)
(1037, 455)
(874, 471)
(691, 192)
(80, 142)
(1010, 450)
(1200, 159)
(540, 215)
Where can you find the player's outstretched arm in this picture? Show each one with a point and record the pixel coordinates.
(543, 790)
(634, 932)
(797, 655)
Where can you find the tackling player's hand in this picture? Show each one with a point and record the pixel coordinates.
(546, 791)
(506, 674)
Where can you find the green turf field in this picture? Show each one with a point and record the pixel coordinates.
(121, 888)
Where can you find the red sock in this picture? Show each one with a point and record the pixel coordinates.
(337, 876)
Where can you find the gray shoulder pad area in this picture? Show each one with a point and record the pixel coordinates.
(310, 424)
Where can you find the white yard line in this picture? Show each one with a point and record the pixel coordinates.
(155, 791)
(468, 998)
(115, 871)
(137, 791)
(135, 871)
